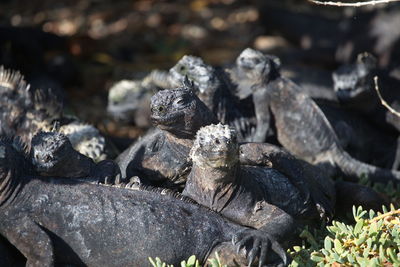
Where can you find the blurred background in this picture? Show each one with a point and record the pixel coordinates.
(84, 46)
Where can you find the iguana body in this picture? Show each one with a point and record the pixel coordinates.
(301, 126)
(64, 221)
(52, 154)
(359, 137)
(254, 196)
(355, 88)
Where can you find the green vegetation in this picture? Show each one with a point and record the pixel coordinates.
(373, 240)
(191, 262)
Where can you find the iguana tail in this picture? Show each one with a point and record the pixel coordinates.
(353, 168)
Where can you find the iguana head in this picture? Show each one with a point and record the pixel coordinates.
(202, 75)
(52, 154)
(253, 68)
(180, 111)
(215, 146)
(355, 80)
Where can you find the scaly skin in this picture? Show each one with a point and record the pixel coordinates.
(67, 222)
(301, 126)
(254, 196)
(214, 89)
(52, 154)
(129, 100)
(354, 87)
(162, 155)
(24, 111)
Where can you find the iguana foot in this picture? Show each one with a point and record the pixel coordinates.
(258, 244)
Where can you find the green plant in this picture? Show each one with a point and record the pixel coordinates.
(373, 240)
(191, 262)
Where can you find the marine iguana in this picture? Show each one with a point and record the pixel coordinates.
(254, 196)
(215, 90)
(301, 126)
(354, 86)
(52, 154)
(162, 155)
(64, 221)
(24, 111)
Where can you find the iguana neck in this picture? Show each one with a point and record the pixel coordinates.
(10, 184)
(183, 141)
(212, 187)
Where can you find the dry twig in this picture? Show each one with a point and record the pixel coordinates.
(383, 102)
(355, 4)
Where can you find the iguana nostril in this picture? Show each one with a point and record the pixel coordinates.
(160, 109)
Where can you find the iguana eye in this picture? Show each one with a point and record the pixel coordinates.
(182, 68)
(256, 61)
(179, 101)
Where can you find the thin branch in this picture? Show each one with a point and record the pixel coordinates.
(356, 4)
(383, 102)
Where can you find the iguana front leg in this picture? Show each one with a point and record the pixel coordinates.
(26, 232)
(301, 174)
(106, 172)
(263, 115)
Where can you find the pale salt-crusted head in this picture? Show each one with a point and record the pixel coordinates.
(121, 89)
(124, 98)
(215, 146)
(257, 65)
(355, 80)
(253, 68)
(194, 68)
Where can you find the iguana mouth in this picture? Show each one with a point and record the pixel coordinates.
(348, 93)
(167, 119)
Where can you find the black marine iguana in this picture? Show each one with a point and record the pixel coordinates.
(301, 126)
(24, 111)
(214, 89)
(64, 221)
(162, 155)
(354, 86)
(52, 154)
(254, 196)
